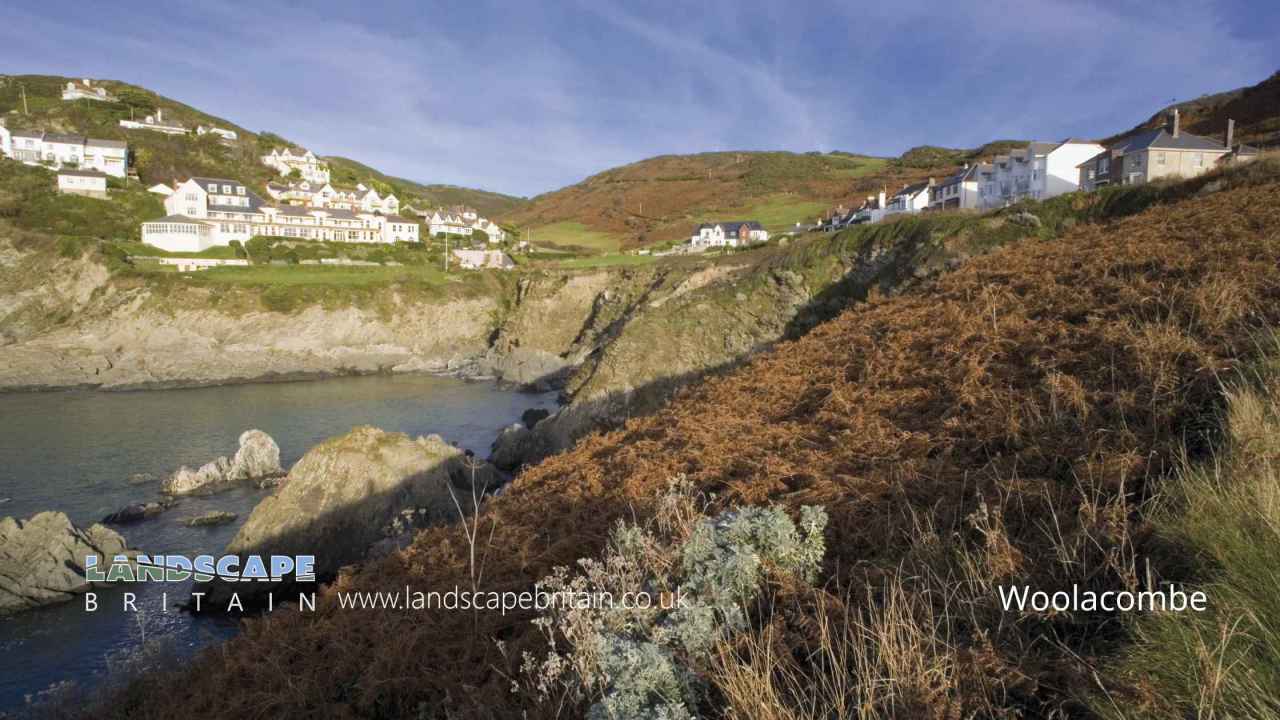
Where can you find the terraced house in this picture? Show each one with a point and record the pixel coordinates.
(59, 150)
(204, 212)
(1039, 171)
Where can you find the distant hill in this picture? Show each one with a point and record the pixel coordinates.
(345, 171)
(1256, 110)
(661, 199)
(164, 158)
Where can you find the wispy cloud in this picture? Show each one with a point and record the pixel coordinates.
(524, 99)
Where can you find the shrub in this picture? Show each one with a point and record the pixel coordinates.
(649, 662)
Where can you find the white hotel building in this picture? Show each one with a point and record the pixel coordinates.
(204, 212)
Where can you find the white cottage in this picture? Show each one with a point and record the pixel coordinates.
(90, 183)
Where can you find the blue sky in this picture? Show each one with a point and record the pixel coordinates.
(524, 98)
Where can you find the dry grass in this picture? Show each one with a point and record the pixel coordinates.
(1009, 421)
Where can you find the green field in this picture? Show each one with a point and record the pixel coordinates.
(577, 235)
(320, 276)
(778, 213)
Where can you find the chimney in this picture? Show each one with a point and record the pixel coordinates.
(1177, 123)
(881, 199)
(932, 182)
(1231, 132)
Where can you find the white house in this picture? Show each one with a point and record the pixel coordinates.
(233, 212)
(1039, 171)
(59, 150)
(910, 199)
(85, 89)
(304, 161)
(156, 123)
(447, 223)
(484, 260)
(160, 189)
(960, 191)
(226, 135)
(732, 234)
(6, 141)
(495, 233)
(872, 210)
(83, 182)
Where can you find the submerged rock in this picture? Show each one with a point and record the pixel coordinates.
(138, 512)
(257, 459)
(42, 559)
(338, 500)
(213, 517)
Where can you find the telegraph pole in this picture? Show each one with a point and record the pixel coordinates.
(446, 252)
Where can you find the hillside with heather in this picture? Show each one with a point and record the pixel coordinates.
(1255, 108)
(1037, 415)
(34, 102)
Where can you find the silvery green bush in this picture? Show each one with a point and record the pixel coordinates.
(634, 663)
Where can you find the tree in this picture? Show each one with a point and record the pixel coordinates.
(238, 247)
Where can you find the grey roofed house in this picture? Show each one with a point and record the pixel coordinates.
(732, 226)
(37, 134)
(62, 138)
(1162, 139)
(118, 144)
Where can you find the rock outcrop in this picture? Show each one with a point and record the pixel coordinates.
(511, 447)
(338, 499)
(138, 512)
(42, 559)
(213, 517)
(257, 458)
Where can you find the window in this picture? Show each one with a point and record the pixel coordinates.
(1159, 158)
(1197, 159)
(213, 187)
(226, 189)
(239, 189)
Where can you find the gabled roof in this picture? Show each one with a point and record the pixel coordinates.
(67, 139)
(732, 226)
(1161, 139)
(178, 219)
(97, 142)
(912, 189)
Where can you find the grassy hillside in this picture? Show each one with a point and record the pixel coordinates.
(661, 199)
(164, 158)
(1256, 110)
(1007, 423)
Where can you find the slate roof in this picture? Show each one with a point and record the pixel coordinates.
(1161, 139)
(912, 189)
(66, 139)
(732, 226)
(178, 219)
(118, 144)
